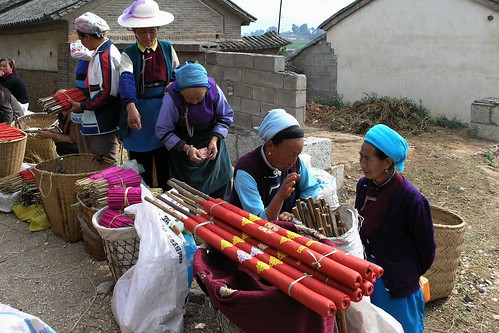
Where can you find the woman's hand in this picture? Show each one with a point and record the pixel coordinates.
(287, 186)
(212, 148)
(44, 134)
(133, 117)
(285, 216)
(195, 155)
(75, 106)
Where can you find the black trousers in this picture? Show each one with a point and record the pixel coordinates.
(157, 158)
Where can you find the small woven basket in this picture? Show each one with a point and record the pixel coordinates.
(11, 156)
(121, 245)
(56, 180)
(94, 244)
(38, 149)
(449, 236)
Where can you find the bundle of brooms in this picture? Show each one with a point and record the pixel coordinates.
(319, 276)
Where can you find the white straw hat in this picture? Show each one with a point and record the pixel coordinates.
(144, 14)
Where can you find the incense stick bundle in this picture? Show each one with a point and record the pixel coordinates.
(121, 197)
(9, 133)
(60, 101)
(112, 218)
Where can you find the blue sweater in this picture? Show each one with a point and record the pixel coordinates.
(404, 244)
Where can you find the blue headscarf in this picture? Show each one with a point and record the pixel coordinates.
(192, 74)
(274, 122)
(390, 143)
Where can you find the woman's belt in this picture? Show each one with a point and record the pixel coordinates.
(155, 84)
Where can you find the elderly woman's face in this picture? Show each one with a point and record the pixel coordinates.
(146, 36)
(194, 95)
(372, 166)
(285, 154)
(5, 67)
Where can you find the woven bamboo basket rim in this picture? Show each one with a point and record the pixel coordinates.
(73, 156)
(447, 214)
(36, 120)
(25, 135)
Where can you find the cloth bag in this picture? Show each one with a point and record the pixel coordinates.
(150, 296)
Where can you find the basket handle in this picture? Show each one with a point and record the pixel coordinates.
(41, 180)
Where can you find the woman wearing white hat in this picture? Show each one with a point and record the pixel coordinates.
(146, 69)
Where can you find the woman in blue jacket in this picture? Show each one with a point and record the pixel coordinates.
(397, 232)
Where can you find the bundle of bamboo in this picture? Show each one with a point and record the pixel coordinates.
(316, 214)
(319, 276)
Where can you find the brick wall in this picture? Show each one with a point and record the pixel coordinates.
(318, 63)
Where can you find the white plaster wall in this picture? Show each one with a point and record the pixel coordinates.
(34, 51)
(443, 52)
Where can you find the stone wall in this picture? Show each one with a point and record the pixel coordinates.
(485, 119)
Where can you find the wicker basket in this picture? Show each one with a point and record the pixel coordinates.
(121, 246)
(11, 156)
(449, 236)
(38, 149)
(56, 181)
(94, 244)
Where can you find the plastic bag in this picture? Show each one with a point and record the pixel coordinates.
(78, 51)
(34, 215)
(365, 317)
(327, 187)
(350, 241)
(16, 321)
(8, 200)
(150, 296)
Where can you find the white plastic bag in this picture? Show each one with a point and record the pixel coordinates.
(365, 317)
(350, 241)
(327, 187)
(150, 296)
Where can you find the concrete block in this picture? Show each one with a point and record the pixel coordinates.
(338, 172)
(244, 60)
(251, 77)
(250, 106)
(233, 74)
(243, 90)
(226, 59)
(263, 94)
(487, 132)
(293, 81)
(320, 151)
(494, 115)
(273, 63)
(480, 113)
(211, 57)
(273, 80)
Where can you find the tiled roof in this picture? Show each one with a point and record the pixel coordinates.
(21, 12)
(35, 10)
(268, 40)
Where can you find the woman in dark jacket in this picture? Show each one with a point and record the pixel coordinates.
(397, 231)
(11, 81)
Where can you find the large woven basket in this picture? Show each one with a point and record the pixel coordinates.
(38, 149)
(449, 236)
(93, 241)
(11, 156)
(56, 180)
(121, 245)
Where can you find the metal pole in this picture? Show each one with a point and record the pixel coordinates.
(279, 22)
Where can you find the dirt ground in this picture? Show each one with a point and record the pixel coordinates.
(57, 281)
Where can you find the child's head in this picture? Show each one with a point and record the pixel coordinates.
(192, 82)
(90, 27)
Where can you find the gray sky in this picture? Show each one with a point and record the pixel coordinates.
(311, 12)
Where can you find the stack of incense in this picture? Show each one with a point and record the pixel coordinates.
(321, 277)
(94, 189)
(112, 218)
(24, 183)
(60, 101)
(316, 214)
(9, 133)
(121, 197)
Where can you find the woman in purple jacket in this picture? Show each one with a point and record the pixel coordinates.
(397, 231)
